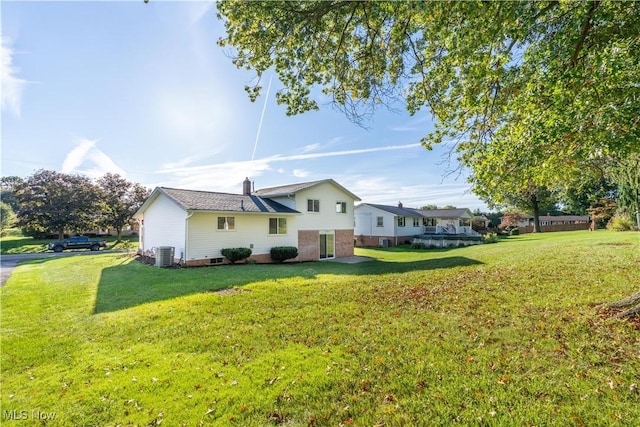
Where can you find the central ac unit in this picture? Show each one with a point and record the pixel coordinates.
(164, 256)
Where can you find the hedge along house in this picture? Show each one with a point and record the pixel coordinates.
(316, 217)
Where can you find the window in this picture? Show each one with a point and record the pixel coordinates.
(401, 221)
(277, 225)
(416, 222)
(429, 222)
(380, 221)
(341, 207)
(313, 205)
(226, 223)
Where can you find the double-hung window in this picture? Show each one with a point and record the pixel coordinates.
(226, 223)
(401, 221)
(313, 205)
(380, 221)
(277, 225)
(341, 207)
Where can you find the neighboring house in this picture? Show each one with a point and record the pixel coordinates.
(481, 221)
(316, 217)
(563, 219)
(384, 225)
(527, 221)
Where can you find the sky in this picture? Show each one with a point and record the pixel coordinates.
(144, 91)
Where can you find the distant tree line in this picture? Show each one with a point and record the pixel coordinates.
(55, 203)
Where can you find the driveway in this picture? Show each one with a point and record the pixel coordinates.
(9, 262)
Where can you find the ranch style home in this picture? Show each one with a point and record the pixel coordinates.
(316, 217)
(384, 225)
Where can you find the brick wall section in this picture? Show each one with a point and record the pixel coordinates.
(344, 243)
(308, 245)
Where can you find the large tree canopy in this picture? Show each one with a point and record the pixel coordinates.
(549, 85)
(120, 200)
(52, 201)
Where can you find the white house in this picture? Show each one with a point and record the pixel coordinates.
(384, 225)
(316, 217)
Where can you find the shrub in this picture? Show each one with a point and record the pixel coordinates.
(236, 254)
(620, 223)
(283, 253)
(490, 238)
(514, 232)
(418, 245)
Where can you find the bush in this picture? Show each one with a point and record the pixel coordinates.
(418, 245)
(283, 253)
(490, 238)
(620, 223)
(236, 254)
(514, 232)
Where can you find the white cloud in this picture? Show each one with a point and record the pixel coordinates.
(389, 192)
(87, 159)
(300, 173)
(229, 176)
(12, 85)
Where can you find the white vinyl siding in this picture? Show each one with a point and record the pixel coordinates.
(326, 194)
(164, 225)
(205, 241)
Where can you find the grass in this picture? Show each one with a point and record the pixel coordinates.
(15, 243)
(503, 334)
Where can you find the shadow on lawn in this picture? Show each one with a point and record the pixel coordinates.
(132, 283)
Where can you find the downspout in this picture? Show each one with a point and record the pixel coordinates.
(186, 236)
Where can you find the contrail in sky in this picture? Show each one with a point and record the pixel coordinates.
(264, 108)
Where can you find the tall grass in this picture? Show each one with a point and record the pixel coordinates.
(503, 334)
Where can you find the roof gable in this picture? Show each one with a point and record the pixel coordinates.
(291, 189)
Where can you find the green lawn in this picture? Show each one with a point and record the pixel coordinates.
(502, 334)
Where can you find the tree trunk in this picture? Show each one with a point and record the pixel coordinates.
(61, 234)
(119, 233)
(536, 214)
(630, 305)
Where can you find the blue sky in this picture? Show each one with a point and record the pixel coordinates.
(144, 91)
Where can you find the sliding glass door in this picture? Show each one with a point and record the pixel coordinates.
(327, 245)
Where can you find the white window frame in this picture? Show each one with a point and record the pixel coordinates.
(380, 221)
(402, 221)
(314, 204)
(278, 226)
(341, 207)
(227, 225)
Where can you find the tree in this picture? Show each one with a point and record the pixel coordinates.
(625, 172)
(557, 79)
(7, 217)
(56, 202)
(8, 186)
(430, 207)
(120, 199)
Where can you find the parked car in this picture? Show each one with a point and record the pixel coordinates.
(78, 242)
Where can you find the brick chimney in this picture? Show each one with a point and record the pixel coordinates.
(246, 187)
(399, 204)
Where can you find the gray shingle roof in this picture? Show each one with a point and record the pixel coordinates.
(398, 211)
(223, 202)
